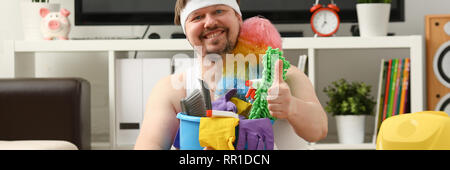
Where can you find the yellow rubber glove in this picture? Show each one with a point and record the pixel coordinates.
(243, 107)
(217, 133)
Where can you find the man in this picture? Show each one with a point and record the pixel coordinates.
(213, 25)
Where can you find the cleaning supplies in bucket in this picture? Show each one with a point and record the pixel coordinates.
(198, 102)
(217, 133)
(250, 134)
(224, 102)
(201, 126)
(255, 134)
(219, 113)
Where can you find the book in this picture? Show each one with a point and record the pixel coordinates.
(397, 87)
(392, 87)
(381, 94)
(302, 62)
(393, 90)
(400, 87)
(405, 85)
(386, 93)
(408, 95)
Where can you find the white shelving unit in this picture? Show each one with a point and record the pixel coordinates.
(337, 146)
(18, 61)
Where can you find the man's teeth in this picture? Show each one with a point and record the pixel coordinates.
(214, 35)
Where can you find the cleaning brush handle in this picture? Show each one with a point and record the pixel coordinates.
(219, 113)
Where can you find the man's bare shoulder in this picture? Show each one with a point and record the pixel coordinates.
(172, 86)
(295, 74)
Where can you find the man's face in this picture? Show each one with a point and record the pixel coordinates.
(214, 28)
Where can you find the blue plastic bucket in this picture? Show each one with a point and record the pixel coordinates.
(189, 132)
(189, 127)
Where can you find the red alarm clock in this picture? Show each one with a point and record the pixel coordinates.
(325, 20)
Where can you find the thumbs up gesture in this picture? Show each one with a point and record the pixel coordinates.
(279, 94)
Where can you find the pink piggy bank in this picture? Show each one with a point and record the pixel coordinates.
(55, 24)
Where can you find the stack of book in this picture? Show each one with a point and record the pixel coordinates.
(393, 90)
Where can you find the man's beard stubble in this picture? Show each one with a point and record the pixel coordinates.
(229, 47)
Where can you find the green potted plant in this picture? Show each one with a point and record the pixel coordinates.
(349, 103)
(373, 17)
(31, 19)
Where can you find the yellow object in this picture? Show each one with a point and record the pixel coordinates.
(217, 133)
(415, 131)
(243, 107)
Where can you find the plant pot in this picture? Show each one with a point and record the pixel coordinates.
(350, 128)
(31, 18)
(373, 19)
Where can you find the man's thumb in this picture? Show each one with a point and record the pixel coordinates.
(279, 71)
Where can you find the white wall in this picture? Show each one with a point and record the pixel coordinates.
(9, 24)
(93, 66)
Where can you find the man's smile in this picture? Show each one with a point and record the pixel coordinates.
(213, 34)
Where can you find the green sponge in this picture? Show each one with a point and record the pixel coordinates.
(259, 108)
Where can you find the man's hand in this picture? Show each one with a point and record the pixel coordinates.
(279, 95)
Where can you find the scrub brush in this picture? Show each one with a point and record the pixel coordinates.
(198, 102)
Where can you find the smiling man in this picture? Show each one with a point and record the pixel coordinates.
(215, 26)
(212, 28)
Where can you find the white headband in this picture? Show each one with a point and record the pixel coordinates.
(193, 5)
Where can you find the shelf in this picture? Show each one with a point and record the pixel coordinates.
(351, 42)
(338, 146)
(183, 45)
(102, 45)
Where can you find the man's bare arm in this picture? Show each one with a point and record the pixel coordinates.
(160, 124)
(307, 116)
